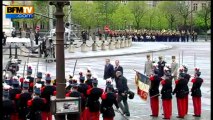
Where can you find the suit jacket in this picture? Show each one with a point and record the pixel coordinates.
(161, 66)
(148, 68)
(108, 71)
(174, 68)
(119, 68)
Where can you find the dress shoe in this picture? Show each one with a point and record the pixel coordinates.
(196, 115)
(179, 117)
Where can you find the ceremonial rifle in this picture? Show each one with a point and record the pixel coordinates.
(74, 67)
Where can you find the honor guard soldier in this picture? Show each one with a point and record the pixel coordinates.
(13, 92)
(29, 73)
(166, 94)
(174, 68)
(93, 103)
(46, 92)
(39, 79)
(8, 107)
(196, 92)
(22, 100)
(148, 67)
(36, 105)
(180, 87)
(161, 65)
(108, 99)
(82, 88)
(89, 79)
(187, 77)
(74, 93)
(154, 91)
(70, 82)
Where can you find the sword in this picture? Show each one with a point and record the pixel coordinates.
(121, 114)
(74, 67)
(154, 95)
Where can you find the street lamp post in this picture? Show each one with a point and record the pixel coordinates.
(60, 63)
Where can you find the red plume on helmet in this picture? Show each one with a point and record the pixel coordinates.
(197, 69)
(29, 67)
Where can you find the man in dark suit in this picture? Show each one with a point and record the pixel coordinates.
(161, 65)
(108, 70)
(117, 68)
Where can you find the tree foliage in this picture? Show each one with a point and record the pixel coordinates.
(137, 14)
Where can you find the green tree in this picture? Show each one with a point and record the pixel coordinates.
(138, 9)
(184, 10)
(122, 17)
(169, 10)
(203, 18)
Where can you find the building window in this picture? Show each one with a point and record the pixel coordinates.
(203, 6)
(195, 6)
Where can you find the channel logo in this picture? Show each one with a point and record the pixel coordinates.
(18, 12)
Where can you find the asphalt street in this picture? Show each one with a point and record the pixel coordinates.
(191, 54)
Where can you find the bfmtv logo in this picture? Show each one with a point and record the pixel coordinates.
(16, 12)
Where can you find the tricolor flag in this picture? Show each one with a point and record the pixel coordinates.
(143, 85)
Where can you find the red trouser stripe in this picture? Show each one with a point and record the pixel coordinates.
(167, 108)
(46, 116)
(154, 103)
(181, 107)
(186, 103)
(197, 105)
(94, 115)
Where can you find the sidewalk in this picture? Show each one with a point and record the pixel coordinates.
(136, 48)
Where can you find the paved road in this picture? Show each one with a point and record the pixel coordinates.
(140, 109)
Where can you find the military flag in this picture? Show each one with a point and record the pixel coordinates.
(143, 85)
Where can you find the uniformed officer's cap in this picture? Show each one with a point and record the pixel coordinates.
(82, 78)
(110, 86)
(48, 78)
(15, 82)
(173, 57)
(37, 91)
(75, 85)
(39, 75)
(95, 81)
(181, 74)
(29, 70)
(26, 84)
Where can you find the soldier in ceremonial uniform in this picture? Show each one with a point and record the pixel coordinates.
(174, 68)
(13, 92)
(36, 105)
(47, 91)
(74, 93)
(187, 77)
(93, 103)
(148, 66)
(89, 79)
(108, 99)
(196, 92)
(22, 100)
(161, 65)
(180, 87)
(154, 91)
(8, 107)
(29, 73)
(39, 78)
(122, 87)
(82, 88)
(166, 94)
